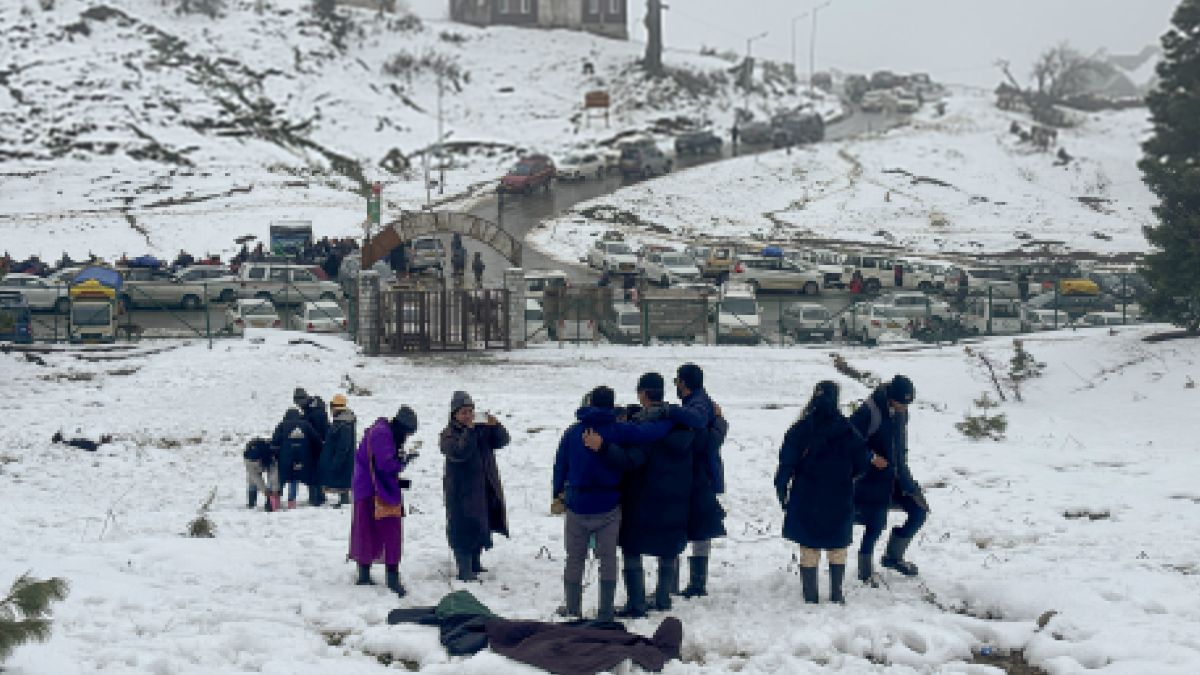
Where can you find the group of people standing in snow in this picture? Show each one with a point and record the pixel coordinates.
(643, 479)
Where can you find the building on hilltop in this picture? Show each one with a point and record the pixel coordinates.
(603, 17)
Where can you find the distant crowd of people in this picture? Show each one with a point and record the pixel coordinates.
(642, 479)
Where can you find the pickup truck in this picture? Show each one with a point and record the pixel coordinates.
(158, 289)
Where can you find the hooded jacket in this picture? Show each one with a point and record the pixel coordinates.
(889, 441)
(337, 455)
(299, 447)
(471, 484)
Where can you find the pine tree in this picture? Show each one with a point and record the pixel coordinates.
(24, 614)
(1171, 169)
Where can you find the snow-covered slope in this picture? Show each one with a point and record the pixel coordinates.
(125, 127)
(1085, 510)
(961, 182)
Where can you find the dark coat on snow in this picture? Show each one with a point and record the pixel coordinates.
(337, 454)
(591, 482)
(706, 517)
(890, 441)
(471, 485)
(299, 448)
(316, 415)
(821, 457)
(260, 450)
(657, 490)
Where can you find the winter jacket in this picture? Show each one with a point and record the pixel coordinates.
(337, 455)
(299, 448)
(471, 484)
(378, 441)
(889, 441)
(315, 414)
(260, 450)
(657, 488)
(698, 412)
(821, 457)
(706, 517)
(593, 484)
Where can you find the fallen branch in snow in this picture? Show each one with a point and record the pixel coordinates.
(990, 368)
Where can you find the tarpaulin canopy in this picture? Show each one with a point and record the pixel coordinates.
(104, 275)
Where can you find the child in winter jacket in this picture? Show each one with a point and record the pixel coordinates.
(262, 474)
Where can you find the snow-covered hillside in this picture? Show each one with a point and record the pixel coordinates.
(125, 127)
(1085, 510)
(961, 182)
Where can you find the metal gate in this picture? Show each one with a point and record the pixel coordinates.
(442, 321)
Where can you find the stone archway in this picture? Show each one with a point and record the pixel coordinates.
(414, 224)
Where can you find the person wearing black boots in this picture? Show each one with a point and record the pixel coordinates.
(821, 457)
(883, 421)
(377, 524)
(471, 484)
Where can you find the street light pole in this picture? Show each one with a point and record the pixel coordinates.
(795, 68)
(750, 69)
(812, 45)
(441, 135)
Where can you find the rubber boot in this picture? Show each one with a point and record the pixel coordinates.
(635, 593)
(699, 577)
(668, 573)
(251, 496)
(866, 573)
(573, 594)
(837, 573)
(808, 581)
(466, 571)
(608, 593)
(364, 576)
(477, 562)
(273, 502)
(392, 574)
(893, 556)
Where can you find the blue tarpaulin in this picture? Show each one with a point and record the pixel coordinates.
(145, 261)
(772, 252)
(106, 276)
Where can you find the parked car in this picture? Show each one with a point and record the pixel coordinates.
(221, 283)
(612, 256)
(982, 280)
(807, 321)
(994, 316)
(776, 274)
(1107, 319)
(872, 320)
(323, 316)
(580, 166)
(39, 294)
(1074, 305)
(756, 133)
(252, 313)
(697, 143)
(535, 321)
(1044, 319)
(1078, 287)
(284, 284)
(537, 282)
(426, 253)
(669, 268)
(644, 161)
(716, 261)
(624, 326)
(532, 172)
(797, 128)
(917, 305)
(156, 288)
(738, 320)
(877, 100)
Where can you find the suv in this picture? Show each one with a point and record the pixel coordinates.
(221, 282)
(612, 256)
(697, 143)
(807, 321)
(157, 289)
(644, 161)
(668, 268)
(916, 305)
(426, 253)
(284, 284)
(775, 274)
(531, 172)
(737, 316)
(38, 292)
(797, 128)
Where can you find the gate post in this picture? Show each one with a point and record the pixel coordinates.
(514, 283)
(368, 312)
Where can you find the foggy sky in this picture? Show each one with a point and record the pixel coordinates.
(956, 41)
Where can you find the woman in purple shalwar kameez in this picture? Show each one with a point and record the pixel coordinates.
(372, 539)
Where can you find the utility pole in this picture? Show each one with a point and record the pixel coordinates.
(749, 74)
(654, 42)
(812, 46)
(440, 156)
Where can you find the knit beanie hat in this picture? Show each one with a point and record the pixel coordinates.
(459, 400)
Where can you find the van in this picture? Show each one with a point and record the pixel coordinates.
(284, 284)
(737, 316)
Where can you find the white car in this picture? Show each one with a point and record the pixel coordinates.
(625, 325)
(776, 274)
(38, 292)
(917, 305)
(669, 268)
(581, 166)
(320, 317)
(1045, 319)
(1107, 319)
(737, 316)
(222, 284)
(807, 321)
(873, 320)
(252, 313)
(612, 256)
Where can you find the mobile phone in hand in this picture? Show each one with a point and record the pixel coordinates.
(481, 417)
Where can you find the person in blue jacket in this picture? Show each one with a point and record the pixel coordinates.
(706, 519)
(591, 485)
(883, 421)
(821, 457)
(298, 445)
(312, 409)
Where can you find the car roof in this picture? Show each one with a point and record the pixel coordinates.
(321, 304)
(532, 303)
(21, 275)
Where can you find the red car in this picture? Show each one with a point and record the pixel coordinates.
(531, 172)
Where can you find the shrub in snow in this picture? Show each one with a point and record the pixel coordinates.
(1022, 367)
(202, 527)
(984, 424)
(210, 8)
(24, 613)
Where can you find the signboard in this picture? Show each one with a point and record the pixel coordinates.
(596, 99)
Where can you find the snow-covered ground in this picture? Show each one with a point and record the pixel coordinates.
(1103, 433)
(127, 128)
(956, 183)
